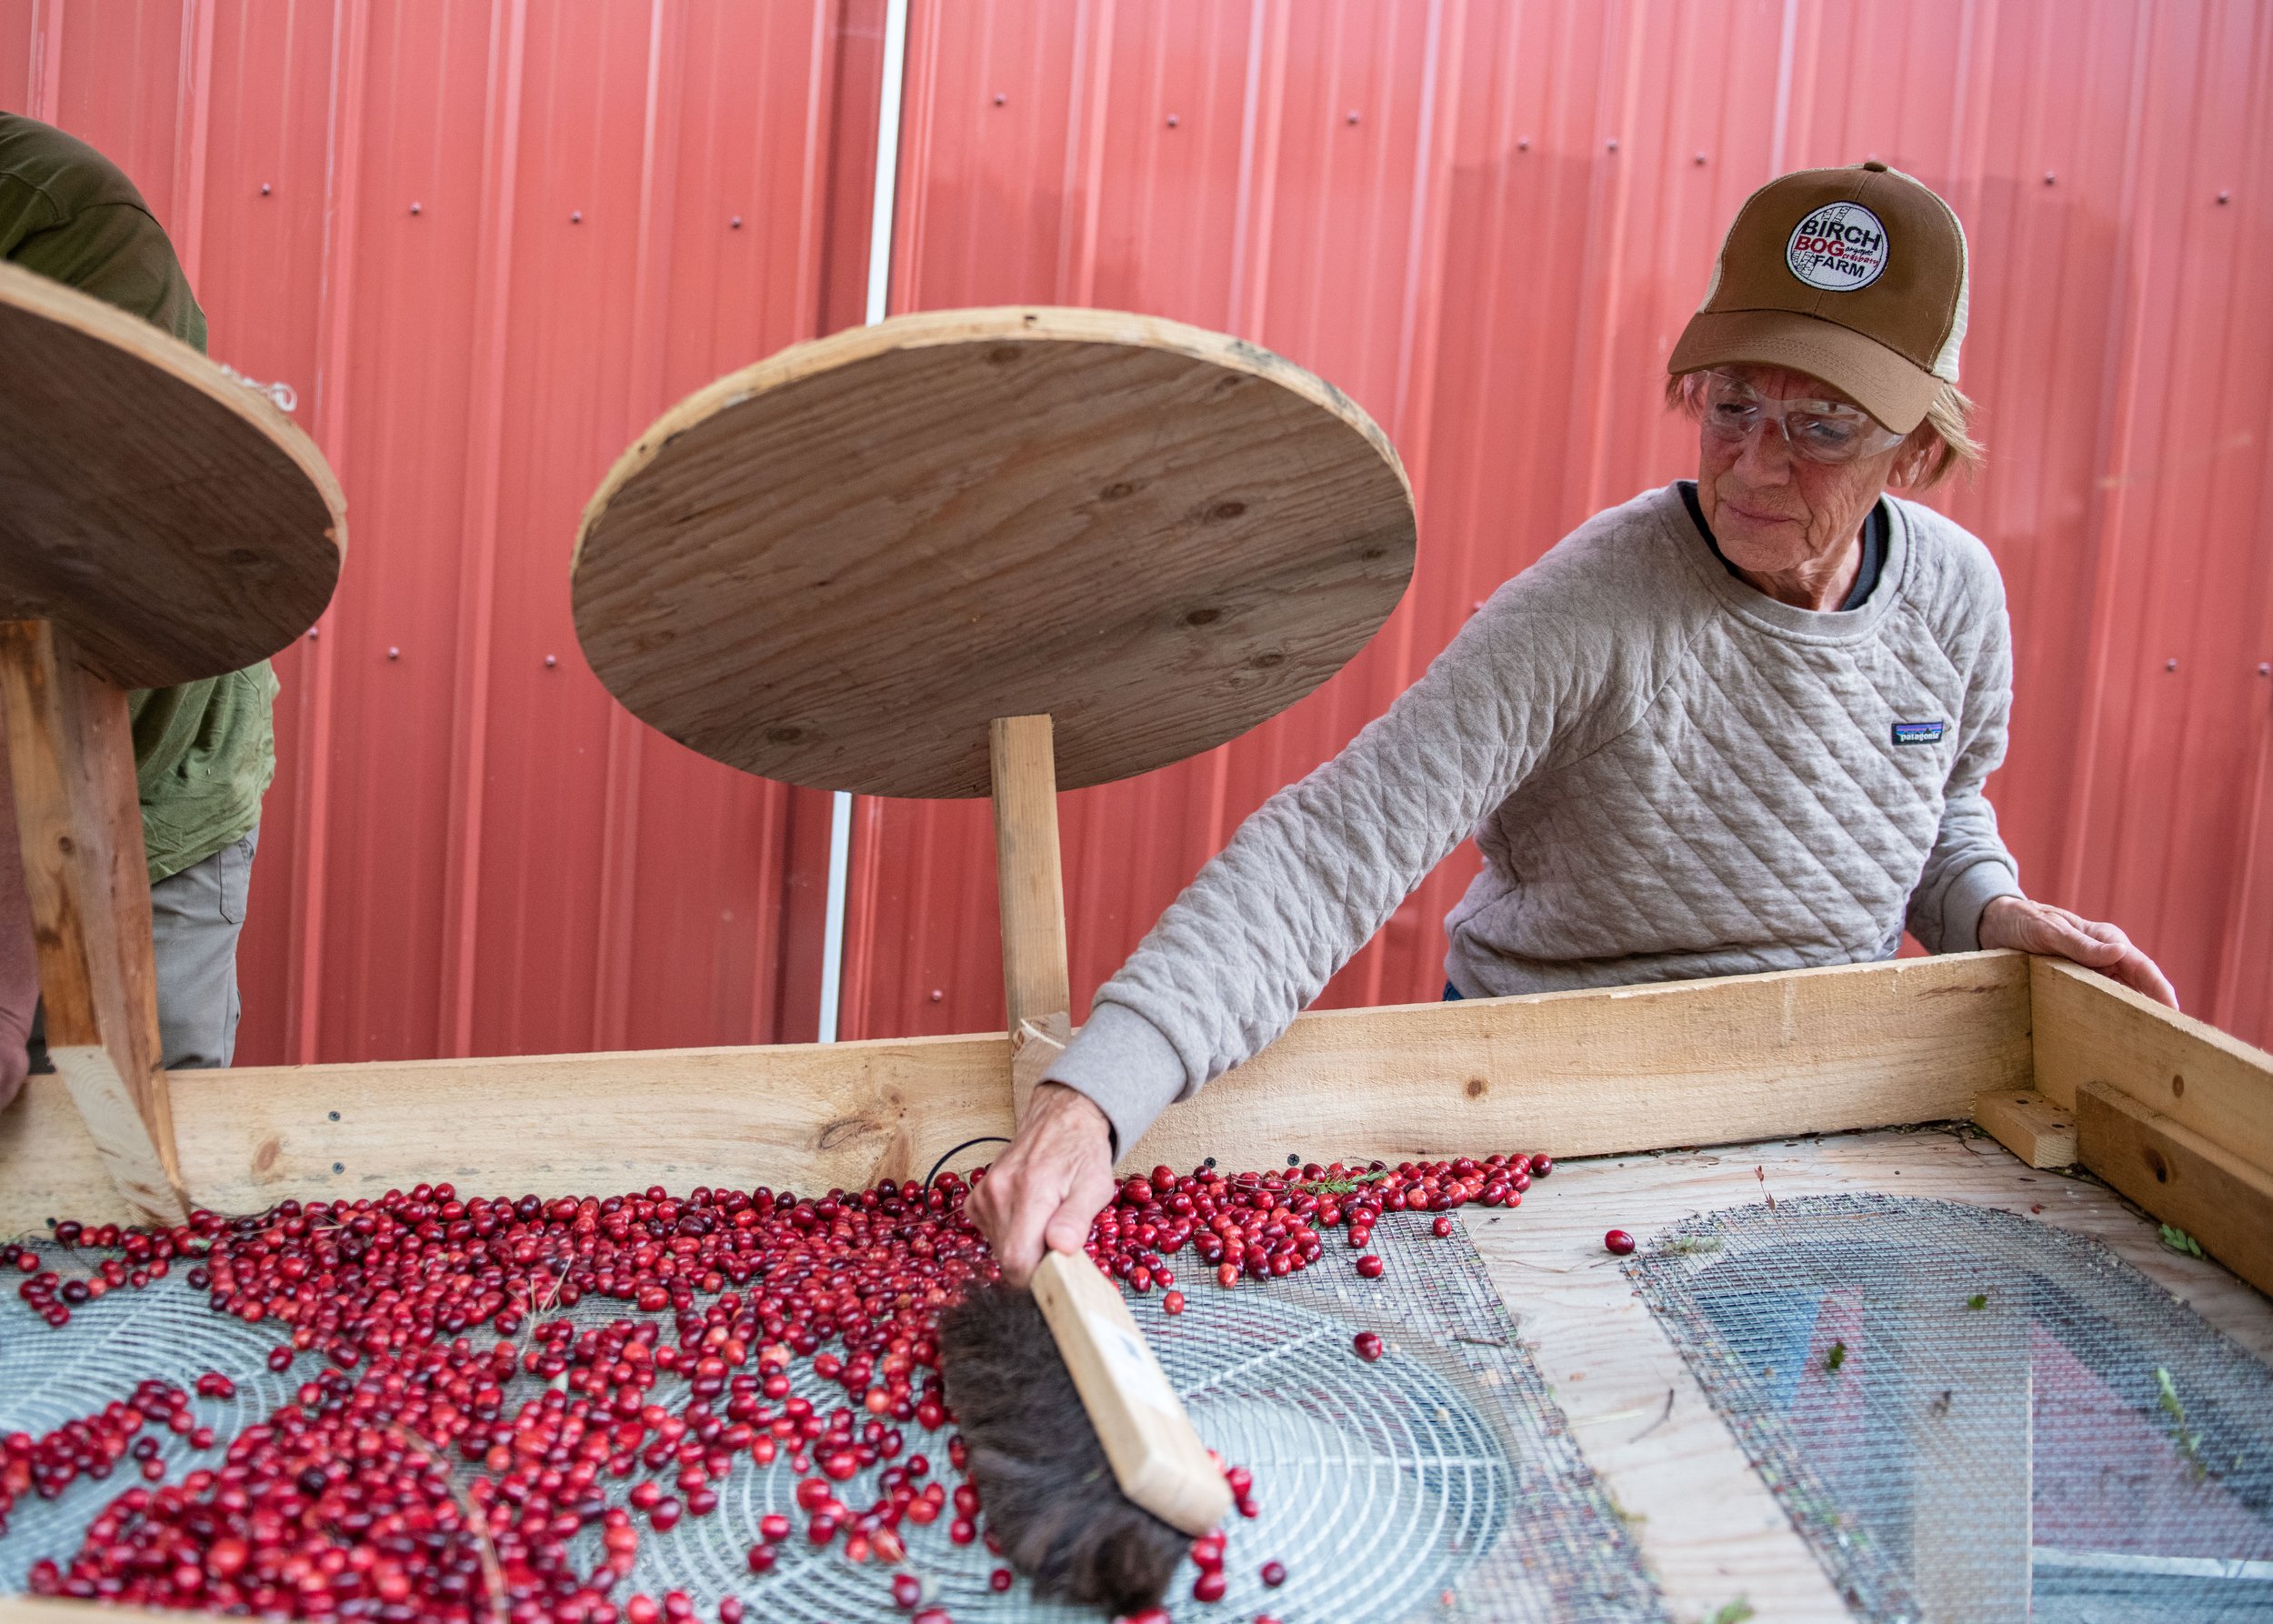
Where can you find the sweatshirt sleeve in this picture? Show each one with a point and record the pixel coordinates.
(1320, 867)
(1969, 867)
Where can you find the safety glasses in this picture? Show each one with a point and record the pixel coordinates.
(1821, 431)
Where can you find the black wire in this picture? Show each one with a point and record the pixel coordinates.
(989, 1138)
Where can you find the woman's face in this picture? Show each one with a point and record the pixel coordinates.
(1773, 513)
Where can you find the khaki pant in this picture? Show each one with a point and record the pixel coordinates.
(196, 919)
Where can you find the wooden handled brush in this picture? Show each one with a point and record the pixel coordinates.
(1002, 551)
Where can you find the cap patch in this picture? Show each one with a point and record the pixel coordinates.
(1838, 248)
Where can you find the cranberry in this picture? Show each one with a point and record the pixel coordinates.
(1274, 1574)
(1173, 1303)
(763, 1557)
(1000, 1579)
(1618, 1241)
(1442, 1227)
(1541, 1166)
(1369, 1266)
(1208, 1587)
(906, 1590)
(1369, 1345)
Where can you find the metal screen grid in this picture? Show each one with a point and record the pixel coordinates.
(1969, 1414)
(1440, 1484)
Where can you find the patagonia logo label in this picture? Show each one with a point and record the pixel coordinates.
(1918, 733)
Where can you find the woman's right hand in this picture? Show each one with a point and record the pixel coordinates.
(1044, 1190)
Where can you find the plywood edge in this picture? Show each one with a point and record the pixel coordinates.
(46, 297)
(46, 1609)
(2089, 1028)
(1012, 323)
(1576, 1074)
(2180, 1177)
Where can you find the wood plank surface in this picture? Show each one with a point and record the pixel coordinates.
(2029, 1125)
(1711, 1532)
(2180, 1177)
(835, 567)
(78, 824)
(170, 517)
(2091, 1029)
(1156, 1458)
(1684, 1063)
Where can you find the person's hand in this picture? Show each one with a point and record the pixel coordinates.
(2039, 928)
(1053, 1180)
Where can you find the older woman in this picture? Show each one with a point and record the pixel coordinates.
(1731, 725)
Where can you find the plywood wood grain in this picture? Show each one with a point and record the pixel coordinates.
(2029, 1125)
(1711, 1532)
(175, 522)
(836, 567)
(2181, 1176)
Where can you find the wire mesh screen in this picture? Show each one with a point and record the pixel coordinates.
(1439, 1484)
(1972, 1415)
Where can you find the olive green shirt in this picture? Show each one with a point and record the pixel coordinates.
(205, 751)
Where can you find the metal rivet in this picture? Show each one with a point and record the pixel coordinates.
(551, 660)
(314, 632)
(2264, 670)
(416, 207)
(1611, 144)
(1523, 143)
(1173, 121)
(1700, 157)
(1353, 115)
(575, 217)
(393, 653)
(2049, 177)
(1000, 98)
(736, 223)
(937, 993)
(339, 1167)
(2171, 665)
(335, 1116)
(2224, 196)
(263, 188)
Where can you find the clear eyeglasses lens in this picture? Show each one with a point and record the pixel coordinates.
(1824, 431)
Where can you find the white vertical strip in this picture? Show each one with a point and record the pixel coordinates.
(1785, 49)
(885, 195)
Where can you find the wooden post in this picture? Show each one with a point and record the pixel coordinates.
(79, 822)
(1032, 888)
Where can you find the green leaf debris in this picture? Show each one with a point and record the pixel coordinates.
(1836, 1357)
(2178, 1240)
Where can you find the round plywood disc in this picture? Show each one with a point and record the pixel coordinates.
(836, 567)
(168, 518)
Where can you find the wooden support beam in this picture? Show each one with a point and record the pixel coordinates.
(2089, 1028)
(1577, 1074)
(2225, 1202)
(79, 827)
(1030, 883)
(2029, 1125)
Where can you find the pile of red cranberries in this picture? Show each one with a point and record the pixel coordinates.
(428, 1334)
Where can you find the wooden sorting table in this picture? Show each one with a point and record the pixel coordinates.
(2059, 1064)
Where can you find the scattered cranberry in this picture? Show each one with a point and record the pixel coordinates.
(1000, 1579)
(1619, 1242)
(1442, 1227)
(1541, 1166)
(1369, 1345)
(1274, 1574)
(1369, 1266)
(907, 1591)
(1173, 1303)
(1208, 1587)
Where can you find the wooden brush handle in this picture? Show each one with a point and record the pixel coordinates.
(1156, 1458)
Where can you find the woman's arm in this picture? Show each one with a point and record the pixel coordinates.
(1301, 886)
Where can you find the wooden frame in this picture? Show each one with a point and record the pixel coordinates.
(1577, 1074)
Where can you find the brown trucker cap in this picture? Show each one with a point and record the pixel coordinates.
(1856, 275)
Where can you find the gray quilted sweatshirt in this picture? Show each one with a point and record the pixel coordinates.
(1669, 774)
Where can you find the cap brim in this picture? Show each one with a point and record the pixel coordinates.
(1882, 383)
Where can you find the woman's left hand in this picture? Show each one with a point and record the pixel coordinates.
(2039, 928)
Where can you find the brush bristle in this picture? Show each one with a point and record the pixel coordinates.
(1047, 1490)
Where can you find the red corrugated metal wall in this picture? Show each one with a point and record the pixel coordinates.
(1486, 219)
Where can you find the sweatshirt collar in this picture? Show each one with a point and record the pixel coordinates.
(1750, 604)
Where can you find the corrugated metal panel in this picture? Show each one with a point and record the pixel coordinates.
(1487, 218)
(1489, 222)
(486, 244)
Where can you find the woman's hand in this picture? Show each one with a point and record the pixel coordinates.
(2039, 928)
(1047, 1188)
